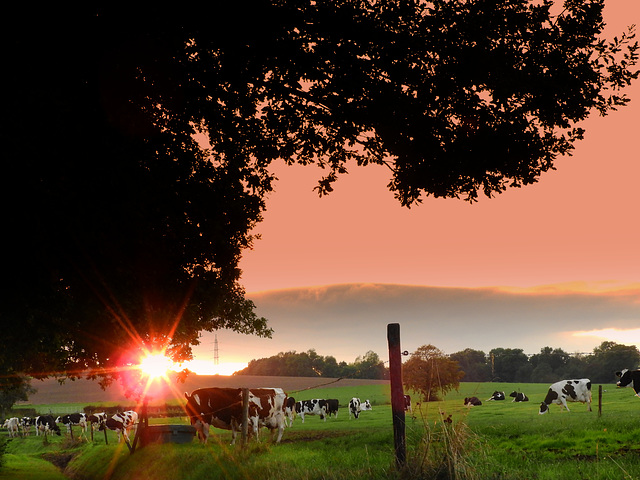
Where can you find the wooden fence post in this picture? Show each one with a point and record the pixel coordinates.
(397, 393)
(599, 400)
(245, 415)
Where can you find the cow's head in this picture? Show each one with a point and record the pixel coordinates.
(625, 378)
(544, 408)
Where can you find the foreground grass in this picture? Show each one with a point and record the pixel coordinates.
(498, 440)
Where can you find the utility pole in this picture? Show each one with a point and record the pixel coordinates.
(216, 359)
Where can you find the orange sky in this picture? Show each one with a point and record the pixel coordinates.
(578, 224)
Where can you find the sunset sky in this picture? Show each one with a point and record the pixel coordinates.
(552, 264)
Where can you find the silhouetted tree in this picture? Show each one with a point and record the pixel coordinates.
(122, 231)
(431, 373)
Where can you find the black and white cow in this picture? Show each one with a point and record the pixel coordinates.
(222, 408)
(627, 376)
(121, 423)
(407, 403)
(96, 420)
(472, 402)
(25, 424)
(74, 420)
(567, 391)
(332, 407)
(518, 397)
(317, 406)
(356, 406)
(47, 424)
(497, 396)
(289, 411)
(266, 409)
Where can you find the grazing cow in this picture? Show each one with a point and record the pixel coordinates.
(13, 425)
(472, 402)
(518, 397)
(97, 419)
(25, 424)
(332, 407)
(74, 419)
(627, 376)
(497, 396)
(317, 406)
(46, 424)
(222, 408)
(289, 411)
(567, 390)
(356, 406)
(121, 423)
(407, 403)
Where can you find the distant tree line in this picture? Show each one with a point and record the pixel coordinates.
(509, 365)
(310, 364)
(550, 365)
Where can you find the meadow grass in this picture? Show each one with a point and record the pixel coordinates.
(498, 440)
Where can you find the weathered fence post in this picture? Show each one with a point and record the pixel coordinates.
(397, 393)
(599, 400)
(245, 415)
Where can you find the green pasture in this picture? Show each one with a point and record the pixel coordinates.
(497, 440)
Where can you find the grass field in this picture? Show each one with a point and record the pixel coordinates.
(498, 440)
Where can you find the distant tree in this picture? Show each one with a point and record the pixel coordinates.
(370, 366)
(121, 231)
(510, 365)
(610, 357)
(431, 373)
(474, 365)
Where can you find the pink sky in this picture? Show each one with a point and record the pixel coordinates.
(577, 224)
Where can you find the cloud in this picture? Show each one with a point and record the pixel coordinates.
(347, 320)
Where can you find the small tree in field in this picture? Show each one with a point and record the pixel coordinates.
(430, 372)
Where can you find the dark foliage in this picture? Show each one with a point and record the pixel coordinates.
(122, 231)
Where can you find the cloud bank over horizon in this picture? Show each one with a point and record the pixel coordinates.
(348, 320)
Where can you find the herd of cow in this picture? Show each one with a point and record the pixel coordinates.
(121, 423)
(274, 409)
(271, 408)
(564, 391)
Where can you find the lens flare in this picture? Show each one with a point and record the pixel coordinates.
(155, 365)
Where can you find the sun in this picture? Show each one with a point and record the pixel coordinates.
(155, 365)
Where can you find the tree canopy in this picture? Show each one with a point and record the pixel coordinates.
(431, 373)
(137, 142)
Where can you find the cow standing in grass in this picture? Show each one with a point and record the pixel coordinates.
(356, 406)
(567, 391)
(46, 424)
(96, 420)
(222, 408)
(122, 423)
(627, 376)
(317, 406)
